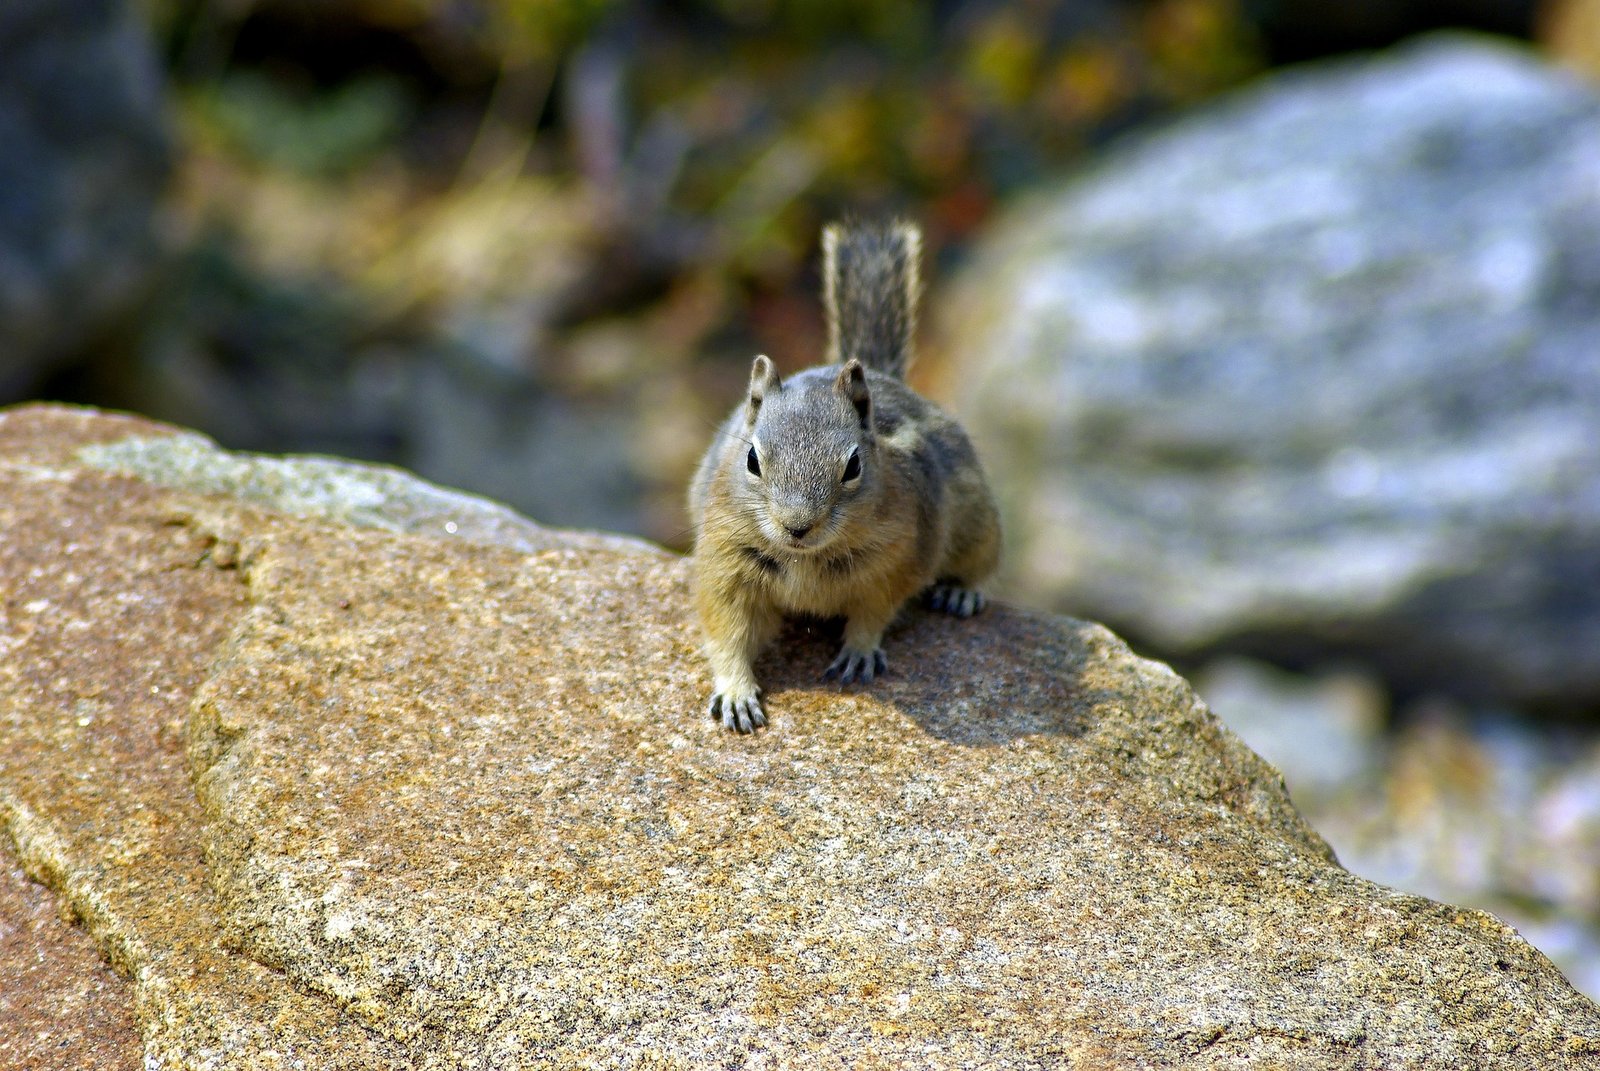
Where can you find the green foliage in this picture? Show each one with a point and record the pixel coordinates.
(698, 144)
(321, 134)
(543, 28)
(812, 22)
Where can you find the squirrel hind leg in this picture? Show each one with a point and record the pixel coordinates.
(853, 665)
(950, 597)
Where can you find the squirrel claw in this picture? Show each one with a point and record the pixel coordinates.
(741, 715)
(853, 665)
(956, 600)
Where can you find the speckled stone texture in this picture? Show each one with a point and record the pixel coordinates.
(61, 1008)
(338, 792)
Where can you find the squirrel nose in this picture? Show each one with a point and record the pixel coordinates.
(798, 532)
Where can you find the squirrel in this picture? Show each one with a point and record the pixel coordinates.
(839, 492)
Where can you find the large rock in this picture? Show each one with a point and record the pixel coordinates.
(83, 156)
(342, 780)
(1311, 373)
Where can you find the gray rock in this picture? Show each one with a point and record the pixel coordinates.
(1313, 372)
(1324, 734)
(500, 433)
(83, 155)
(343, 492)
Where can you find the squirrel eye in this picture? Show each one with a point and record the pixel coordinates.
(751, 463)
(852, 467)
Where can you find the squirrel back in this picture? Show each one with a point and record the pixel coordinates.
(871, 286)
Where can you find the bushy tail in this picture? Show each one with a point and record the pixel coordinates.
(871, 283)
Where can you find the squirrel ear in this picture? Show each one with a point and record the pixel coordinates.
(763, 381)
(852, 383)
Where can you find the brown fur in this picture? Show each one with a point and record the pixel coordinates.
(783, 528)
(871, 284)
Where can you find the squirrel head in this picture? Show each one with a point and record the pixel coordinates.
(810, 461)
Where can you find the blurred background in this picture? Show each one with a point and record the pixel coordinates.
(1275, 322)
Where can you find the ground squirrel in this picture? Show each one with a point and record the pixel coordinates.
(838, 492)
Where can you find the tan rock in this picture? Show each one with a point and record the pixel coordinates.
(61, 1008)
(112, 613)
(449, 801)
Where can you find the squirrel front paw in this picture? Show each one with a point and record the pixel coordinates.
(955, 599)
(856, 665)
(740, 713)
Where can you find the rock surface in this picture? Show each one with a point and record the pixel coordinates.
(83, 156)
(62, 1008)
(333, 791)
(1311, 374)
(1473, 807)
